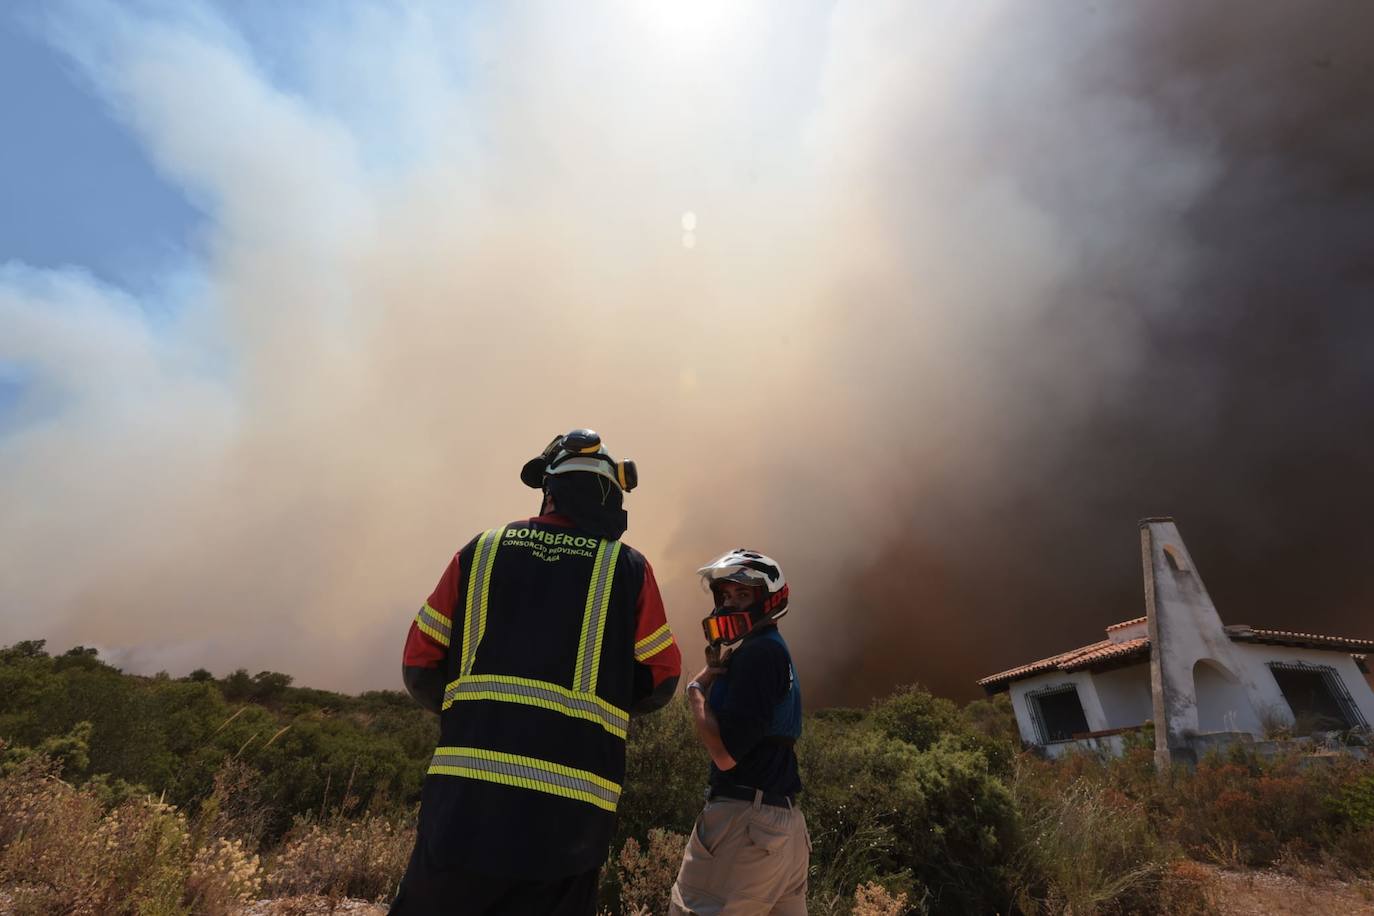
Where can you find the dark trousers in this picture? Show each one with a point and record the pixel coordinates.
(429, 891)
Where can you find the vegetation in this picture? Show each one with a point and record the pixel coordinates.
(122, 794)
(169, 737)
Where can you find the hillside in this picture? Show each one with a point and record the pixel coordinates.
(243, 793)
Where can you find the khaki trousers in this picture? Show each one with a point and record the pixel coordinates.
(744, 859)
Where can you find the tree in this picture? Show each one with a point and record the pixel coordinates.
(28, 648)
(270, 685)
(238, 686)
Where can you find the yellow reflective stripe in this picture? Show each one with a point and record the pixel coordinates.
(530, 692)
(526, 773)
(603, 588)
(654, 643)
(651, 637)
(478, 595)
(434, 625)
(594, 617)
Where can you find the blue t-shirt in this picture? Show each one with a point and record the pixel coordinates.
(758, 705)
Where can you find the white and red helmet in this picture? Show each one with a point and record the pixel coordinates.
(747, 567)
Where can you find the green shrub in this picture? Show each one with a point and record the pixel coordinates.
(934, 824)
(665, 774)
(1354, 803)
(916, 716)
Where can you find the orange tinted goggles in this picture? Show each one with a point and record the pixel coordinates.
(725, 627)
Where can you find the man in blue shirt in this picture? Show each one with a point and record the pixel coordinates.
(749, 850)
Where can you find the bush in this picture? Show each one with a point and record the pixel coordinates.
(64, 853)
(1354, 804)
(665, 774)
(339, 858)
(1247, 812)
(646, 874)
(1086, 847)
(44, 823)
(934, 824)
(916, 716)
(874, 900)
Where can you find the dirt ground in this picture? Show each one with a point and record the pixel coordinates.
(1272, 893)
(289, 906)
(312, 906)
(1232, 893)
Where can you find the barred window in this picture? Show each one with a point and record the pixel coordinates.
(1317, 696)
(1057, 713)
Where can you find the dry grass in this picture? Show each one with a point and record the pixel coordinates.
(60, 852)
(362, 858)
(1087, 848)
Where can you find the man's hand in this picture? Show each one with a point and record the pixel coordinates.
(704, 720)
(717, 662)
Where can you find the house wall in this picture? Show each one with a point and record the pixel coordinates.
(1247, 701)
(1268, 699)
(1125, 695)
(1107, 746)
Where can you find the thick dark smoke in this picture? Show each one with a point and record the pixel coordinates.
(1242, 406)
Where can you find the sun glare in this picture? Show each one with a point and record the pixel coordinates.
(691, 25)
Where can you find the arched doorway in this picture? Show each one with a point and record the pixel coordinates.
(1222, 704)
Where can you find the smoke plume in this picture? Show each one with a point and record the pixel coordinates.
(929, 302)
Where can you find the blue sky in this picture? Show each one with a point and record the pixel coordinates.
(76, 186)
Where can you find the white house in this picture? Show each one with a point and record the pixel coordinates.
(1200, 682)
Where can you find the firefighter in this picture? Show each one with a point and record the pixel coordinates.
(749, 850)
(541, 640)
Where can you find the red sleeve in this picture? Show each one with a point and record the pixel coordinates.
(430, 632)
(655, 647)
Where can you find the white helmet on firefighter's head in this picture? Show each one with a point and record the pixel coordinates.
(746, 567)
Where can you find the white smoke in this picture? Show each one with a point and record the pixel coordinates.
(436, 239)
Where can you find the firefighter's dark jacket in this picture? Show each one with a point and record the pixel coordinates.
(535, 648)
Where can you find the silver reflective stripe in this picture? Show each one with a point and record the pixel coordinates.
(526, 773)
(538, 693)
(438, 621)
(594, 623)
(655, 644)
(479, 590)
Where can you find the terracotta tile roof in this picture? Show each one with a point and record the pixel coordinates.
(1106, 651)
(1241, 633)
(1073, 660)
